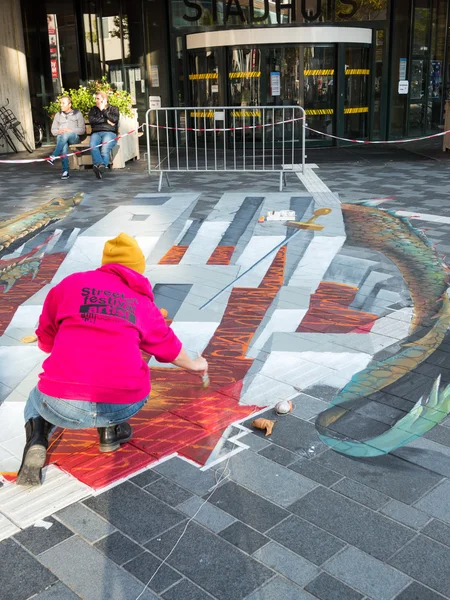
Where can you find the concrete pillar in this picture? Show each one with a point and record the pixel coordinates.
(13, 70)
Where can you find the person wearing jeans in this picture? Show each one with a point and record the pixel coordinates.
(68, 125)
(94, 326)
(104, 120)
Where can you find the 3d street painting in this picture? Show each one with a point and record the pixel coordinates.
(348, 308)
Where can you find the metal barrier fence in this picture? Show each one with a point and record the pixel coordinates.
(250, 138)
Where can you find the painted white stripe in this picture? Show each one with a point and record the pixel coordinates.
(278, 35)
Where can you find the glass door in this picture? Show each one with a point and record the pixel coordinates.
(356, 80)
(317, 91)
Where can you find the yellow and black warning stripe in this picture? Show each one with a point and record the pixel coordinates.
(243, 74)
(245, 113)
(307, 72)
(319, 111)
(357, 72)
(196, 76)
(356, 110)
(202, 113)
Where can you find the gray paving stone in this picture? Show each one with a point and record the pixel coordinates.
(359, 526)
(306, 407)
(366, 574)
(185, 590)
(59, 591)
(39, 539)
(278, 589)
(415, 591)
(134, 511)
(145, 478)
(21, 575)
(118, 548)
(234, 574)
(243, 537)
(305, 539)
(436, 503)
(256, 443)
(278, 455)
(438, 531)
(293, 433)
(185, 474)
(439, 434)
(168, 492)
(269, 480)
(361, 493)
(84, 522)
(326, 587)
(427, 454)
(287, 563)
(147, 568)
(247, 506)
(206, 514)
(387, 474)
(313, 471)
(426, 561)
(408, 515)
(90, 574)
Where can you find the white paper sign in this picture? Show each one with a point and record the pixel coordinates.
(155, 101)
(403, 87)
(214, 88)
(275, 83)
(219, 115)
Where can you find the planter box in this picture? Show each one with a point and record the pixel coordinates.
(126, 149)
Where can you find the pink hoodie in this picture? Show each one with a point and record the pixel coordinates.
(95, 324)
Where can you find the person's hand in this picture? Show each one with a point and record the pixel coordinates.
(199, 366)
(65, 130)
(110, 122)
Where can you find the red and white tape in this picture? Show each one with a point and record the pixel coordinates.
(369, 142)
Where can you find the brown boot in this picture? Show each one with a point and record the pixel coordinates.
(111, 437)
(37, 431)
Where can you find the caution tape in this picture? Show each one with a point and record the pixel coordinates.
(245, 113)
(318, 72)
(357, 72)
(197, 76)
(354, 111)
(242, 74)
(368, 142)
(75, 153)
(319, 111)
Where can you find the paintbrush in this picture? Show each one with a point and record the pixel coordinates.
(205, 377)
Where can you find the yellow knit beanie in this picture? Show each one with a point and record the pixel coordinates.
(124, 250)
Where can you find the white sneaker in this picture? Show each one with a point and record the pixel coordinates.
(50, 160)
(65, 175)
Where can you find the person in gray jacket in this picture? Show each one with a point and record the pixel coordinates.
(67, 126)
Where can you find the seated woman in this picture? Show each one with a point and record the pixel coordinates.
(94, 325)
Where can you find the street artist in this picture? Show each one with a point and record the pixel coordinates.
(94, 325)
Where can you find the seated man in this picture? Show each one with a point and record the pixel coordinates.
(67, 126)
(94, 325)
(104, 119)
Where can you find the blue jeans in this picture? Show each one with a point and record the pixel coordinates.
(101, 155)
(77, 414)
(62, 147)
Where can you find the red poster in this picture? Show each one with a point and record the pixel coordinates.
(54, 65)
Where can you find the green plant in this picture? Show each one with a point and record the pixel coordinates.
(83, 98)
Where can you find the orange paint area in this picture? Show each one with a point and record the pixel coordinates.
(173, 256)
(329, 311)
(221, 255)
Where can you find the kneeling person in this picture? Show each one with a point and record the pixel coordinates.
(94, 325)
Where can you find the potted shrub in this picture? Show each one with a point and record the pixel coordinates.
(83, 98)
